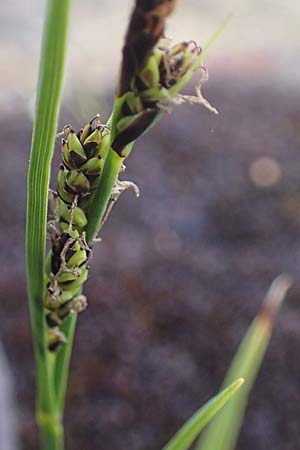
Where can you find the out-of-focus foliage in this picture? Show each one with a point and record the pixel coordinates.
(222, 434)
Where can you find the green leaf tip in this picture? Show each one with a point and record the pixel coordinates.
(183, 439)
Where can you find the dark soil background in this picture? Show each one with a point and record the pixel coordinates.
(177, 279)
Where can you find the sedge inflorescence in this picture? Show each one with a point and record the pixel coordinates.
(153, 73)
(83, 155)
(153, 88)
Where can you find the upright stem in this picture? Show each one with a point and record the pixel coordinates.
(51, 430)
(108, 178)
(49, 90)
(62, 363)
(102, 195)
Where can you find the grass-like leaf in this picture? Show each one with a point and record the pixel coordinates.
(222, 433)
(52, 63)
(184, 438)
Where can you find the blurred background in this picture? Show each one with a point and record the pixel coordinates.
(180, 272)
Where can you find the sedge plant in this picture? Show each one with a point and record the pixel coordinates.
(153, 72)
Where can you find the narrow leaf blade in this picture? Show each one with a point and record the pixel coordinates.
(222, 433)
(191, 429)
(49, 90)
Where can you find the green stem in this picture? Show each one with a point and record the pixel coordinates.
(63, 362)
(108, 178)
(49, 90)
(51, 430)
(102, 195)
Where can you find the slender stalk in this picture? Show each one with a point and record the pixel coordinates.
(108, 179)
(51, 71)
(52, 436)
(63, 362)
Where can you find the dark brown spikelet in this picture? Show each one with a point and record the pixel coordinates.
(146, 27)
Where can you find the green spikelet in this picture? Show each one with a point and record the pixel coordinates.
(66, 267)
